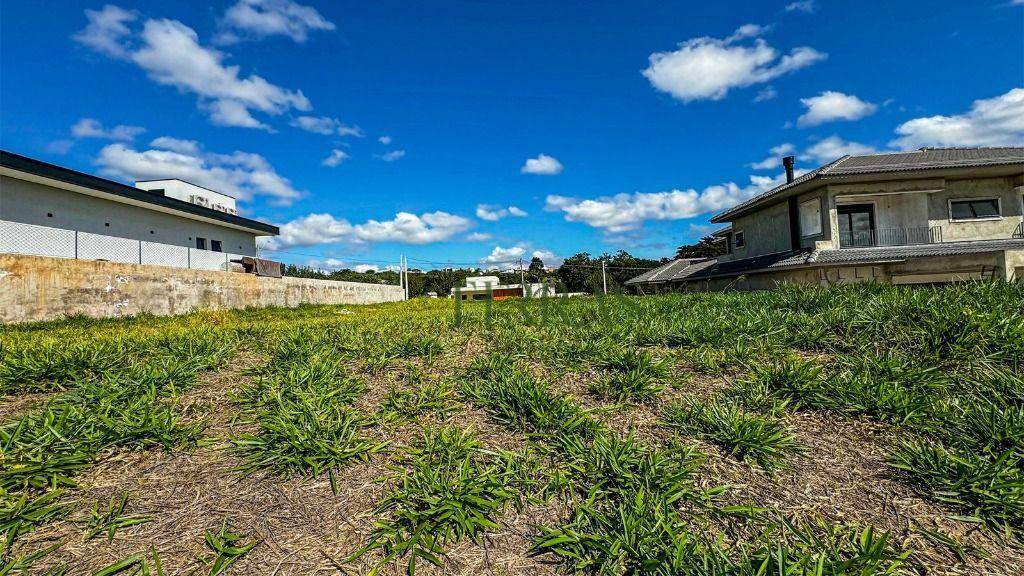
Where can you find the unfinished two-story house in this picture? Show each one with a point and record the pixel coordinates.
(931, 215)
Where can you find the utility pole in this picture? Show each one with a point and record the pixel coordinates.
(522, 278)
(604, 278)
(405, 273)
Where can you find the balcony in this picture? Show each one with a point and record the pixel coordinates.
(890, 237)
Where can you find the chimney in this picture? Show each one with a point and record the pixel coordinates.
(788, 163)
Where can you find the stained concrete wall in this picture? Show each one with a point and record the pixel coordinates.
(764, 232)
(36, 288)
(1009, 205)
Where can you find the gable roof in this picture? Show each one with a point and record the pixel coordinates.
(889, 162)
(674, 270)
(45, 170)
(809, 257)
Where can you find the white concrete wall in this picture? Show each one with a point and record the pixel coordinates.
(32, 203)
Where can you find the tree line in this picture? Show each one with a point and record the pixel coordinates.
(578, 273)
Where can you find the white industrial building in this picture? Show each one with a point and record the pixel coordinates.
(49, 210)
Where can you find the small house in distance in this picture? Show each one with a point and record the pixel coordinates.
(490, 287)
(924, 216)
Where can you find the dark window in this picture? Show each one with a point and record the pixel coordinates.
(49, 214)
(973, 209)
(215, 246)
(739, 240)
(107, 224)
(201, 243)
(151, 232)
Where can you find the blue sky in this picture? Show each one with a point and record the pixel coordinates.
(473, 132)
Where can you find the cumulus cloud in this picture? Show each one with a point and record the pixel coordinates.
(326, 125)
(628, 212)
(830, 106)
(107, 31)
(707, 68)
(503, 258)
(834, 147)
(335, 158)
(170, 53)
(385, 140)
(807, 6)
(92, 128)
(405, 228)
(392, 155)
(493, 213)
(774, 159)
(542, 165)
(765, 94)
(240, 174)
(262, 18)
(997, 121)
(176, 145)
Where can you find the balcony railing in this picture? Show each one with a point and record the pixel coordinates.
(890, 237)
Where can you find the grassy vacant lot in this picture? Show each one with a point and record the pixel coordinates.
(860, 430)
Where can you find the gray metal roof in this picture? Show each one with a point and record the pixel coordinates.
(852, 256)
(890, 162)
(673, 271)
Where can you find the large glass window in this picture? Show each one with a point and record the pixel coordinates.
(974, 209)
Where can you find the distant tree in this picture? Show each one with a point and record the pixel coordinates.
(576, 273)
(535, 273)
(707, 247)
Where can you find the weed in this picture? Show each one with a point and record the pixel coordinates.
(112, 518)
(227, 546)
(449, 489)
(748, 435)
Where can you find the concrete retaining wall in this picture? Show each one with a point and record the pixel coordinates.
(36, 288)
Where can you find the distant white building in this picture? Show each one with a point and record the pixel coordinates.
(484, 287)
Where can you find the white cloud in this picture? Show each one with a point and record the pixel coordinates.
(262, 18)
(170, 53)
(627, 212)
(707, 68)
(830, 106)
(404, 228)
(765, 94)
(493, 213)
(91, 128)
(834, 147)
(542, 165)
(60, 146)
(997, 121)
(807, 6)
(478, 237)
(504, 258)
(392, 155)
(774, 159)
(385, 140)
(176, 145)
(335, 158)
(240, 174)
(548, 257)
(326, 125)
(107, 31)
